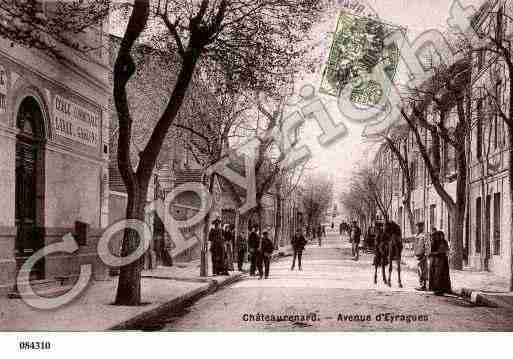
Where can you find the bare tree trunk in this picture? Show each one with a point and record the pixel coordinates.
(277, 221)
(206, 228)
(129, 282)
(458, 215)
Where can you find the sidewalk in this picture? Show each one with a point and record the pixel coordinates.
(163, 289)
(481, 288)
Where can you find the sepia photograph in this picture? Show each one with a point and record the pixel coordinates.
(250, 166)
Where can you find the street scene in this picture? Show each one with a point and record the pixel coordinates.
(255, 166)
(332, 293)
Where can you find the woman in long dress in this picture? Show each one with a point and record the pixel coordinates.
(439, 278)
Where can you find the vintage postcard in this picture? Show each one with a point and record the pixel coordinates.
(238, 166)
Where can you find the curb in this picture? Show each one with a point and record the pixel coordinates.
(175, 304)
(479, 298)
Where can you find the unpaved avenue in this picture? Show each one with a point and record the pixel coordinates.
(335, 288)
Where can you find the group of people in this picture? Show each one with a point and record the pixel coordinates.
(223, 247)
(385, 239)
(432, 261)
(260, 249)
(316, 232)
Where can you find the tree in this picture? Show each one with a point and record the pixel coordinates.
(251, 40)
(396, 141)
(317, 196)
(210, 137)
(359, 203)
(372, 181)
(430, 105)
(52, 27)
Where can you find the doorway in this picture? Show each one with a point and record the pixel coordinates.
(29, 185)
(486, 242)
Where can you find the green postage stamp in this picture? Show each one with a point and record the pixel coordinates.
(358, 47)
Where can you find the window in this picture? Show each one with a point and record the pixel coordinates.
(497, 224)
(488, 232)
(432, 216)
(478, 225)
(479, 130)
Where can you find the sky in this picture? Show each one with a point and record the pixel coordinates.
(340, 159)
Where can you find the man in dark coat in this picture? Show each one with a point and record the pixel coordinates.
(319, 234)
(421, 250)
(253, 246)
(242, 247)
(264, 255)
(356, 233)
(298, 243)
(216, 239)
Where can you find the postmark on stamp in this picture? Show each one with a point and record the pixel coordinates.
(358, 47)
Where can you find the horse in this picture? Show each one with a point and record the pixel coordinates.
(381, 256)
(395, 248)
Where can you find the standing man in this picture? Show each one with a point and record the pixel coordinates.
(242, 247)
(421, 252)
(319, 234)
(356, 233)
(264, 255)
(253, 244)
(298, 244)
(215, 237)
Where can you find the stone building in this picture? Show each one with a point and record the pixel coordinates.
(54, 156)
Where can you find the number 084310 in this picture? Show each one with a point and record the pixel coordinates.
(25, 345)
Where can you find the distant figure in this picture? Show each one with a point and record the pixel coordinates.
(439, 278)
(264, 256)
(332, 225)
(341, 228)
(421, 251)
(215, 237)
(298, 243)
(319, 234)
(242, 247)
(253, 245)
(355, 235)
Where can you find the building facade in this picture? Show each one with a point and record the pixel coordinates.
(54, 156)
(487, 228)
